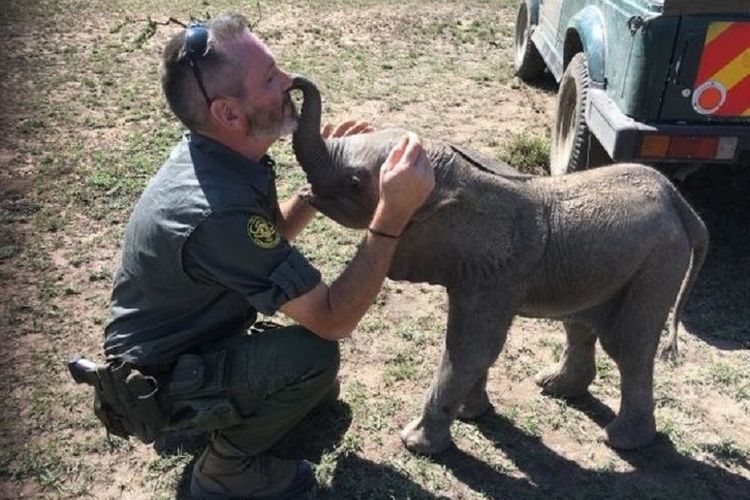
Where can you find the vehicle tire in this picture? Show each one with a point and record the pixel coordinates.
(527, 61)
(574, 147)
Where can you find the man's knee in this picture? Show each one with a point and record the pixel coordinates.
(322, 354)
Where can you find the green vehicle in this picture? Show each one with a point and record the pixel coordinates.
(653, 81)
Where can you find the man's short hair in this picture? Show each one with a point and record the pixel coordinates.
(222, 74)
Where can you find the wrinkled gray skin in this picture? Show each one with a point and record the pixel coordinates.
(607, 251)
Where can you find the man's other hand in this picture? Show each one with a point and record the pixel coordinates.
(349, 127)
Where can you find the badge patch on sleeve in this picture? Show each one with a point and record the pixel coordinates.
(262, 232)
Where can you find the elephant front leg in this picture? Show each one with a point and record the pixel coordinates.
(477, 327)
(477, 403)
(430, 433)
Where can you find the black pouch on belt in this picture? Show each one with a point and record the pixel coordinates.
(124, 398)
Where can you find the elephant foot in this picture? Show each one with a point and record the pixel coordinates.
(627, 433)
(565, 383)
(474, 407)
(418, 439)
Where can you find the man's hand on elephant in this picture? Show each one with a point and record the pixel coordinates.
(349, 127)
(406, 180)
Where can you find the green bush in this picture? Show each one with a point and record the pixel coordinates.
(528, 153)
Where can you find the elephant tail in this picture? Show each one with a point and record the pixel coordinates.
(698, 236)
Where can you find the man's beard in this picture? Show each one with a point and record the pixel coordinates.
(267, 127)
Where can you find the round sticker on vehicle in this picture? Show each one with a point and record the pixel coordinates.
(709, 97)
(262, 232)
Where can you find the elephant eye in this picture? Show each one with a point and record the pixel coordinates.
(355, 181)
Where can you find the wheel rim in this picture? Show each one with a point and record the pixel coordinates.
(522, 29)
(564, 125)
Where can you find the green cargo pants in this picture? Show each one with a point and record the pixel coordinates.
(251, 389)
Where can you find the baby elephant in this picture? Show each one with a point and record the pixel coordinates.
(608, 252)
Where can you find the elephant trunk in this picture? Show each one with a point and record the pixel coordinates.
(309, 147)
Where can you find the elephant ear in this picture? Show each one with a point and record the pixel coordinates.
(488, 165)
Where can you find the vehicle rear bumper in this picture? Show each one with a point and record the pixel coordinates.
(621, 135)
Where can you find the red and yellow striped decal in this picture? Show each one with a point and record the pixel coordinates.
(722, 86)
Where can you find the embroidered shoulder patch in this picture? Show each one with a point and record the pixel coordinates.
(262, 232)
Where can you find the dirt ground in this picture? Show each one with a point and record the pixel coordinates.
(84, 127)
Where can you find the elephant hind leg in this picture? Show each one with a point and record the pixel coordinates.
(576, 369)
(635, 425)
(631, 338)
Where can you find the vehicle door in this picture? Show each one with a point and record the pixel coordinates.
(549, 22)
(549, 14)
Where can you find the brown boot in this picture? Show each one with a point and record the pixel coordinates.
(217, 476)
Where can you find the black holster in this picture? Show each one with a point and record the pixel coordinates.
(125, 400)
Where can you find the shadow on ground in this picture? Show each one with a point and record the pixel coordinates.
(356, 477)
(659, 470)
(546, 83)
(717, 310)
(312, 439)
(318, 434)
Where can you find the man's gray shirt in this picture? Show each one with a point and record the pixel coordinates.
(201, 256)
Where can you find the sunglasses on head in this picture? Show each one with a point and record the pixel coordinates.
(196, 47)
